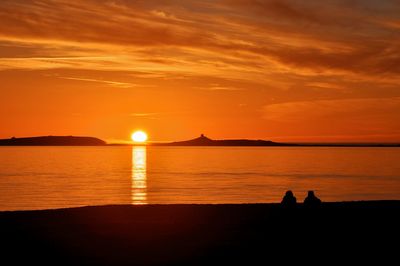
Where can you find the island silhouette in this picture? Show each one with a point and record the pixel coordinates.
(53, 141)
(205, 141)
(199, 141)
(92, 141)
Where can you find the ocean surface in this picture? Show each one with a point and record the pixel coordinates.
(60, 177)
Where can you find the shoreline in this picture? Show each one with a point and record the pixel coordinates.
(198, 234)
(166, 205)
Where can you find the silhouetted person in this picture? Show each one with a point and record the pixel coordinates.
(289, 200)
(311, 200)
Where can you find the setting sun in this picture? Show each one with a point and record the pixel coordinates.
(139, 136)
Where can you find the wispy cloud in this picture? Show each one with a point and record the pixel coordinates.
(325, 85)
(300, 63)
(222, 38)
(217, 87)
(107, 82)
(145, 115)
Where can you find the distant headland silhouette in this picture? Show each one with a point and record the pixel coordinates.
(200, 141)
(205, 141)
(53, 141)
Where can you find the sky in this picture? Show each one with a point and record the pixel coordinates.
(295, 71)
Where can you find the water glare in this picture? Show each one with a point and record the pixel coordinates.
(139, 178)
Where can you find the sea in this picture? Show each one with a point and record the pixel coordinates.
(40, 177)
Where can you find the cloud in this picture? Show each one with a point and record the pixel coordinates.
(251, 37)
(107, 82)
(144, 114)
(325, 85)
(217, 87)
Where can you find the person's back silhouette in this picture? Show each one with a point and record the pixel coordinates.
(289, 200)
(311, 200)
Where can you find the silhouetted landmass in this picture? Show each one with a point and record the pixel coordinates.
(200, 141)
(227, 234)
(53, 141)
(205, 141)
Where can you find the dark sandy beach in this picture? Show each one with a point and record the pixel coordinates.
(201, 234)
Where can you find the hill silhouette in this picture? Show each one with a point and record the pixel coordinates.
(205, 141)
(53, 141)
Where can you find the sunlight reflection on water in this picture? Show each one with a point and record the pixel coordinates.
(139, 179)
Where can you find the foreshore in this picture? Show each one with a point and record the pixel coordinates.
(200, 234)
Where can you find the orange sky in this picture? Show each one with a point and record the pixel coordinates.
(280, 70)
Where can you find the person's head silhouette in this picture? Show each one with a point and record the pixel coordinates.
(289, 193)
(311, 200)
(289, 200)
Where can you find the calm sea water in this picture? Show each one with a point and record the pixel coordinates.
(58, 177)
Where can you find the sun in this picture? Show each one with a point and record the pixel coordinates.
(139, 136)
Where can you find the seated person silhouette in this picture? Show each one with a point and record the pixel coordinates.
(289, 200)
(311, 200)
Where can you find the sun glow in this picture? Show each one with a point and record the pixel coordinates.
(139, 136)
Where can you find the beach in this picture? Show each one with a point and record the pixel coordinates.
(191, 234)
